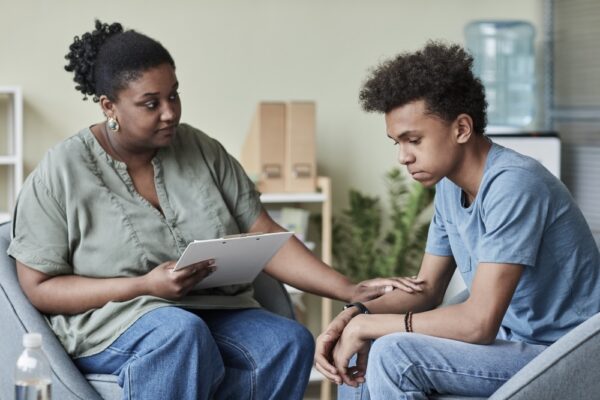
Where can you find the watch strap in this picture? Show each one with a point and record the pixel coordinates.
(362, 308)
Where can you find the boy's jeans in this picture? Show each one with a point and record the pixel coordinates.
(170, 353)
(413, 366)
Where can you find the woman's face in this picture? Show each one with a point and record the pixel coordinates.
(147, 110)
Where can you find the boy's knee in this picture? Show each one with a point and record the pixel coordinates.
(398, 350)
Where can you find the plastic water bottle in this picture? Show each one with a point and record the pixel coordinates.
(504, 60)
(32, 372)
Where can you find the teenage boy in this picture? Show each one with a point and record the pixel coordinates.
(520, 242)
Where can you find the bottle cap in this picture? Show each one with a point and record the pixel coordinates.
(32, 340)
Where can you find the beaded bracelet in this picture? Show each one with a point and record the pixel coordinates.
(408, 322)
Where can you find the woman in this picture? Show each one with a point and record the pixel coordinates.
(101, 220)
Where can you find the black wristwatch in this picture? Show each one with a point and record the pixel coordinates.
(362, 308)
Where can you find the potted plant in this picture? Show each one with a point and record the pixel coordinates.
(369, 242)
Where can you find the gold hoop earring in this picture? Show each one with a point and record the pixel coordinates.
(112, 124)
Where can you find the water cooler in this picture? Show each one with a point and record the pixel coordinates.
(504, 60)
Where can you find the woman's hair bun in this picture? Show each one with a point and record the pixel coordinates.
(83, 53)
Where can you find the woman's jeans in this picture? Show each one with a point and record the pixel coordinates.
(171, 353)
(413, 366)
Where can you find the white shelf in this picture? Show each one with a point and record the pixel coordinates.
(14, 145)
(315, 197)
(8, 160)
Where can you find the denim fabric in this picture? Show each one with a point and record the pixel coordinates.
(171, 353)
(413, 366)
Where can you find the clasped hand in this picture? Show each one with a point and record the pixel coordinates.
(342, 338)
(163, 281)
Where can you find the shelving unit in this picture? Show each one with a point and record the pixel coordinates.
(11, 150)
(323, 197)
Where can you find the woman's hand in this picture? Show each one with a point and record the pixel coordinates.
(373, 288)
(163, 281)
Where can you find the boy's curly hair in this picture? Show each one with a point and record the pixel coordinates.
(439, 74)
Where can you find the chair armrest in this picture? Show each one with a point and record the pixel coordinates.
(18, 316)
(458, 298)
(271, 294)
(566, 370)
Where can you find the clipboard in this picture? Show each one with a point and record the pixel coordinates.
(239, 258)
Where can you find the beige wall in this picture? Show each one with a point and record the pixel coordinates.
(232, 53)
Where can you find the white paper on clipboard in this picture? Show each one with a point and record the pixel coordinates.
(238, 259)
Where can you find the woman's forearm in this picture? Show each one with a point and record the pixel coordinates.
(72, 294)
(297, 266)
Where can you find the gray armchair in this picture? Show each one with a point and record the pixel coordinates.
(18, 316)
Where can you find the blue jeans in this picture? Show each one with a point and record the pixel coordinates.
(171, 353)
(413, 366)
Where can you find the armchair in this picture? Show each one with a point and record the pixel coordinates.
(569, 369)
(18, 316)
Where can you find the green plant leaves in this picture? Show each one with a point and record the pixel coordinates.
(366, 244)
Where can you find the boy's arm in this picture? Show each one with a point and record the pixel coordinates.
(436, 273)
(477, 320)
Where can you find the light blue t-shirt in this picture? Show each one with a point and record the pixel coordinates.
(524, 215)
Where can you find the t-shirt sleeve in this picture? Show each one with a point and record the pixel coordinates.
(515, 210)
(437, 237)
(238, 190)
(40, 238)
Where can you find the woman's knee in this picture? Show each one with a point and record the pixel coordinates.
(177, 327)
(287, 340)
(300, 338)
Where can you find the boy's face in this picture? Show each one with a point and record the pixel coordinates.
(427, 145)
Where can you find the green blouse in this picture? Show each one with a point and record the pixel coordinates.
(79, 213)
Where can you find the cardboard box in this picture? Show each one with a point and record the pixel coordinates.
(279, 153)
(300, 147)
(263, 152)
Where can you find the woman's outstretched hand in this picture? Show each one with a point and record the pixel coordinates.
(373, 288)
(163, 281)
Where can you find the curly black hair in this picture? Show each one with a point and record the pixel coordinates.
(105, 60)
(439, 74)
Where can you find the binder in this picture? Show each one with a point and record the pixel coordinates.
(300, 147)
(263, 152)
